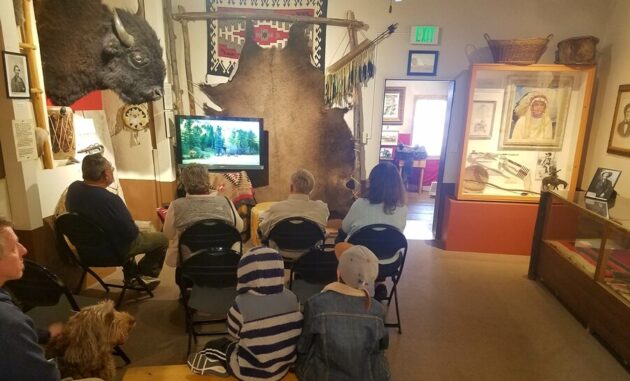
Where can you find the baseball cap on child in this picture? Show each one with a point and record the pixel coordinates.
(358, 267)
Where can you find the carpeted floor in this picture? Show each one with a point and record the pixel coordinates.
(465, 317)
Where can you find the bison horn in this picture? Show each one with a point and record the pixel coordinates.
(124, 36)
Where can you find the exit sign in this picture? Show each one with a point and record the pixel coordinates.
(424, 35)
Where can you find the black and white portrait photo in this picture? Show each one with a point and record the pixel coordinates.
(619, 141)
(603, 183)
(16, 75)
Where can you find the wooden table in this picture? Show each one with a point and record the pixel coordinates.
(421, 164)
(176, 373)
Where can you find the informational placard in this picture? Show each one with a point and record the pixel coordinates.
(424, 35)
(24, 138)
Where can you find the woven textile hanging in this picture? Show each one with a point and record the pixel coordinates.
(341, 83)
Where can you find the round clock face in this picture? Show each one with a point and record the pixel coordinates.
(136, 117)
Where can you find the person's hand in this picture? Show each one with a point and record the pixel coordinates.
(55, 329)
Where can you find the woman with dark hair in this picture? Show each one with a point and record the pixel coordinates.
(383, 202)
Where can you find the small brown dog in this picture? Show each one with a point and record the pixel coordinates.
(84, 347)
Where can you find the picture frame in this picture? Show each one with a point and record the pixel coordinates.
(482, 119)
(603, 184)
(525, 97)
(389, 138)
(386, 153)
(597, 206)
(16, 77)
(422, 62)
(619, 141)
(394, 105)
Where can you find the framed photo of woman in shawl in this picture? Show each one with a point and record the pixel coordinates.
(535, 114)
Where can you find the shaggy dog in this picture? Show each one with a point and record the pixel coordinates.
(84, 347)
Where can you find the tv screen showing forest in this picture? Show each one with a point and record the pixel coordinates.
(219, 143)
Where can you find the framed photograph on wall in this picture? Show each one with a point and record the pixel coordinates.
(16, 75)
(422, 62)
(603, 184)
(386, 153)
(481, 119)
(619, 142)
(535, 114)
(394, 105)
(389, 138)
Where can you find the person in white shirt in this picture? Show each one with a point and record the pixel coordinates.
(298, 204)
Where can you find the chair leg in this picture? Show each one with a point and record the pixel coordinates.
(79, 286)
(121, 296)
(397, 312)
(98, 278)
(118, 351)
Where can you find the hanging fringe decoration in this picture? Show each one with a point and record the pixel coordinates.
(355, 68)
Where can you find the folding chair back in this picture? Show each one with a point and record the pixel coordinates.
(311, 272)
(296, 233)
(211, 235)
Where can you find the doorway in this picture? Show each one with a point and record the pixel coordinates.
(416, 119)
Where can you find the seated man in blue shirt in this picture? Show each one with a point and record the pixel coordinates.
(91, 198)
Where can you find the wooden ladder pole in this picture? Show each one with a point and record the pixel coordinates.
(38, 96)
(357, 110)
(171, 54)
(187, 65)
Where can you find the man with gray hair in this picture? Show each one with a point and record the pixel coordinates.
(91, 198)
(298, 204)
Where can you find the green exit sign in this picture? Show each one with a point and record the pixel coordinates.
(424, 35)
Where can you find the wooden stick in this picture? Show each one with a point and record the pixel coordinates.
(356, 50)
(187, 65)
(171, 55)
(266, 15)
(357, 110)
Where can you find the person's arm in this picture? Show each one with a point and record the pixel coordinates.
(238, 221)
(169, 223)
(349, 220)
(21, 357)
(234, 321)
(305, 341)
(124, 224)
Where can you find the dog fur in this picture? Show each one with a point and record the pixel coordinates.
(84, 347)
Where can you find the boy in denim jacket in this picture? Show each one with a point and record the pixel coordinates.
(344, 335)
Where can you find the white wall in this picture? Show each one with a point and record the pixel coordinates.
(613, 71)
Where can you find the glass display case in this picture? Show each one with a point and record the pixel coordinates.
(524, 130)
(581, 251)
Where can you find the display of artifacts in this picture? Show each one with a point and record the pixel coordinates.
(482, 119)
(603, 184)
(389, 138)
(552, 181)
(598, 206)
(394, 105)
(16, 75)
(535, 113)
(497, 171)
(545, 161)
(387, 153)
(619, 142)
(422, 62)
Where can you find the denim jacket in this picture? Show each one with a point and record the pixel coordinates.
(341, 339)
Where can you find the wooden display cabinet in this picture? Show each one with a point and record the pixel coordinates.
(583, 257)
(524, 124)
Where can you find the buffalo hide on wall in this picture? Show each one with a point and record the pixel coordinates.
(284, 88)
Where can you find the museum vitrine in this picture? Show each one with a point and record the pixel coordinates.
(524, 130)
(581, 251)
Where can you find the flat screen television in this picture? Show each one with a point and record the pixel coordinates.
(220, 142)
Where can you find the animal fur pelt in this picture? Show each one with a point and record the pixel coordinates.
(284, 88)
(84, 347)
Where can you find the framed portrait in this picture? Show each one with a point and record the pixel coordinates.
(597, 206)
(619, 142)
(482, 118)
(16, 75)
(603, 184)
(535, 113)
(389, 138)
(386, 153)
(394, 105)
(422, 62)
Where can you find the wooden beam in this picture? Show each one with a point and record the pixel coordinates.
(171, 55)
(357, 109)
(266, 15)
(187, 64)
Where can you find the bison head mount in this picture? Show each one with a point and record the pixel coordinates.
(86, 46)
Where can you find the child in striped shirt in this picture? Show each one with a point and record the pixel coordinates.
(265, 323)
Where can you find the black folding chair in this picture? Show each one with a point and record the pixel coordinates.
(38, 293)
(311, 272)
(390, 247)
(93, 248)
(207, 274)
(295, 234)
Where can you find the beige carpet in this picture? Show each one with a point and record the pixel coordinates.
(465, 317)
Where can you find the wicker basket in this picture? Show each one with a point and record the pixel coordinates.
(518, 51)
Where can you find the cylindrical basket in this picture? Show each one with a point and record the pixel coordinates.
(518, 51)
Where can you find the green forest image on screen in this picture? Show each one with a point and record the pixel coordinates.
(220, 142)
